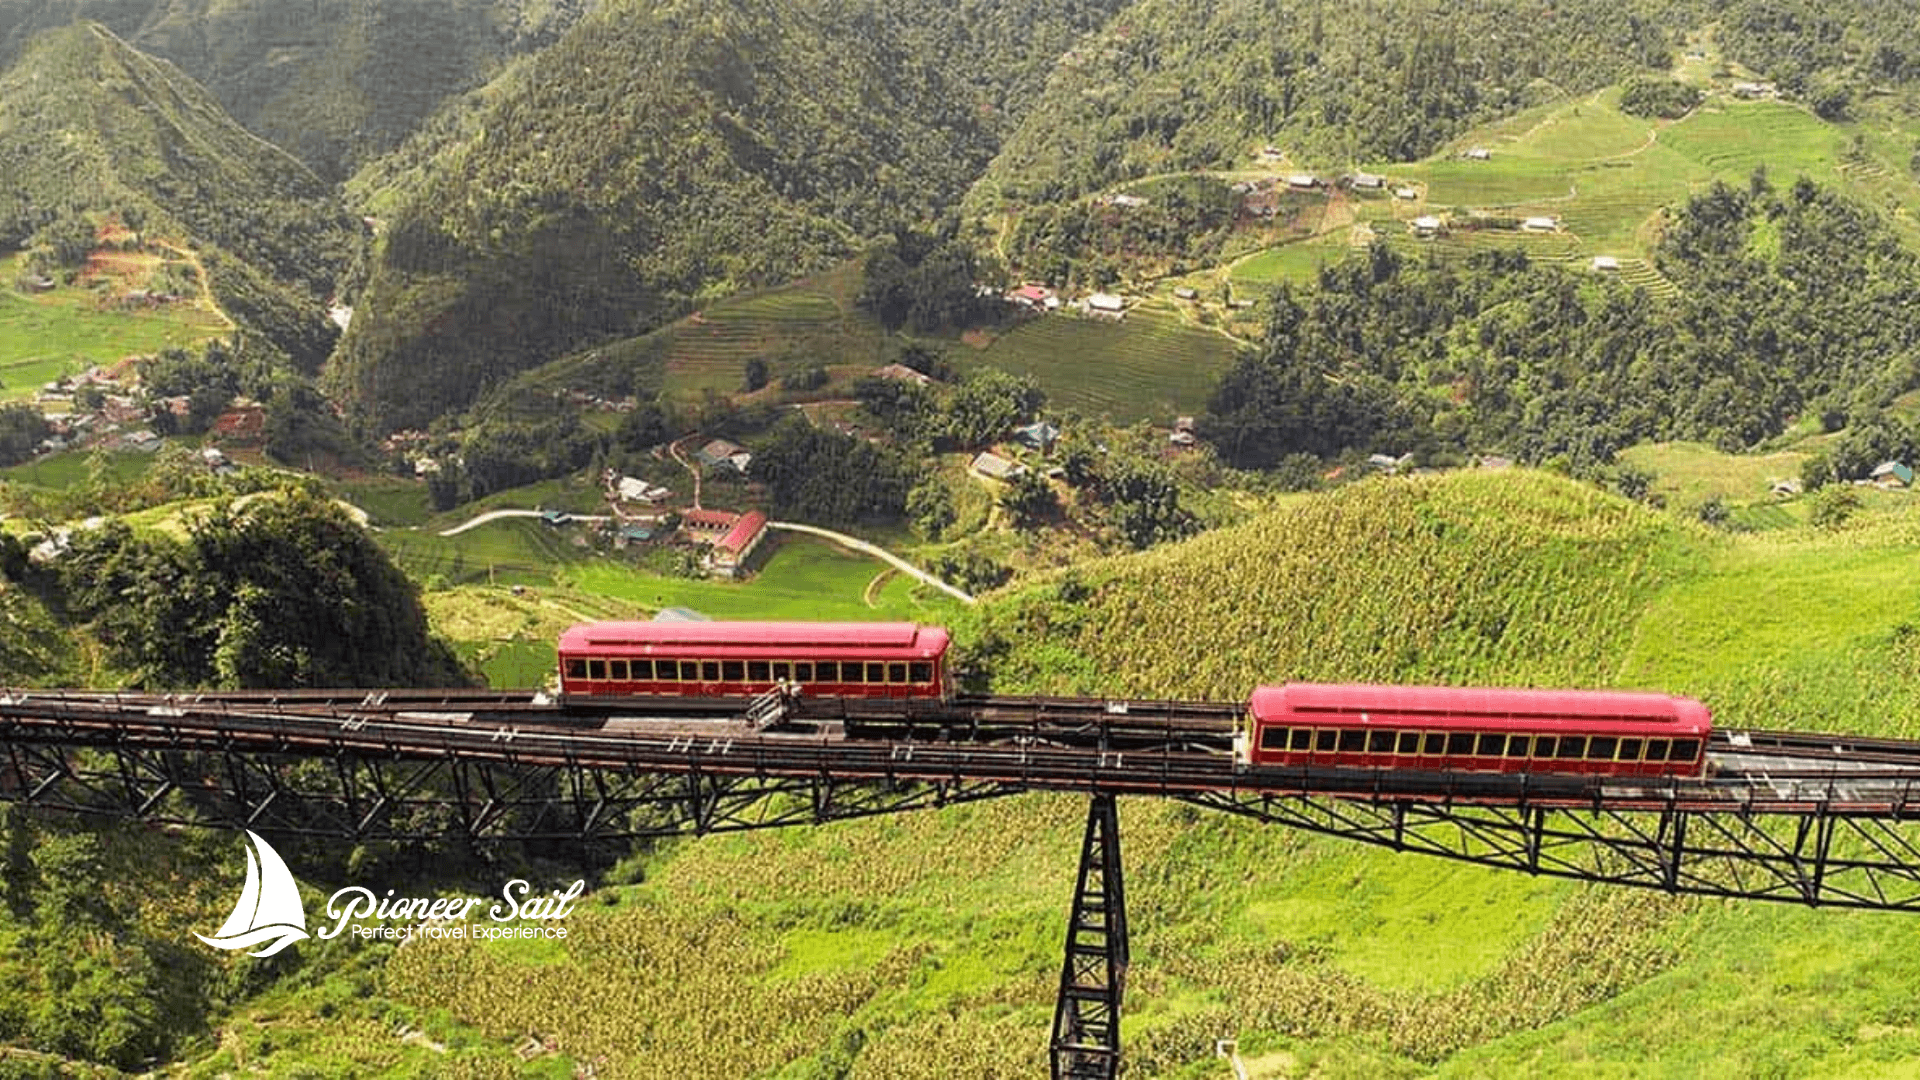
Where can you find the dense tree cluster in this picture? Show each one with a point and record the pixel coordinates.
(819, 475)
(22, 427)
(660, 154)
(926, 284)
(1789, 300)
(1648, 96)
(1178, 85)
(282, 590)
(1094, 241)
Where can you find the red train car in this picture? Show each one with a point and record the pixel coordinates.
(743, 659)
(1452, 729)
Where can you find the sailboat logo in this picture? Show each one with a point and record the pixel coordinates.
(269, 911)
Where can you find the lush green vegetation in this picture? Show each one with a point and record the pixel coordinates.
(93, 132)
(657, 156)
(1176, 86)
(1789, 302)
(280, 591)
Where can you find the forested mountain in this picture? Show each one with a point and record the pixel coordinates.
(1828, 54)
(661, 154)
(335, 82)
(90, 126)
(1793, 301)
(1170, 85)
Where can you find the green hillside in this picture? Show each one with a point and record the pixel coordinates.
(335, 82)
(659, 156)
(927, 945)
(1169, 86)
(91, 128)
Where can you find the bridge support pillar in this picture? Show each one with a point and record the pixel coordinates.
(1086, 1017)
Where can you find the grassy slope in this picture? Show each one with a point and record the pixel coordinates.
(1605, 175)
(926, 945)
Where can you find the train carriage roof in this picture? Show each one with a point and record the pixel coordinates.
(745, 638)
(1453, 706)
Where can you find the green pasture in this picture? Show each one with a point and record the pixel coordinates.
(1297, 264)
(1152, 366)
(72, 468)
(389, 500)
(1689, 473)
(802, 578)
(1796, 628)
(46, 336)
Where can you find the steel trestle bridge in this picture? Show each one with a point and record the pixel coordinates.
(1818, 820)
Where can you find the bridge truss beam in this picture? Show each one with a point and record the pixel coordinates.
(1827, 858)
(362, 798)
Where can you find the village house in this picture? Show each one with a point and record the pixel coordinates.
(723, 453)
(707, 525)
(731, 552)
(1125, 202)
(903, 373)
(1368, 181)
(244, 422)
(1303, 182)
(1183, 433)
(1479, 153)
(1425, 225)
(1107, 305)
(1606, 264)
(994, 467)
(1891, 474)
(1186, 292)
(635, 490)
(1541, 224)
(1039, 435)
(1035, 297)
(1406, 193)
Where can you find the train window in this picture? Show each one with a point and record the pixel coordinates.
(921, 672)
(1460, 742)
(709, 671)
(1273, 738)
(1436, 744)
(896, 673)
(1657, 749)
(1543, 746)
(1517, 745)
(1380, 742)
(689, 671)
(850, 673)
(1490, 745)
(1302, 739)
(1629, 749)
(1571, 746)
(576, 668)
(640, 669)
(733, 670)
(1409, 742)
(1353, 741)
(617, 670)
(826, 671)
(803, 672)
(876, 673)
(596, 669)
(1684, 750)
(782, 670)
(757, 671)
(1326, 740)
(1602, 747)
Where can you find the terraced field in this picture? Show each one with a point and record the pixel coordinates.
(1153, 366)
(786, 327)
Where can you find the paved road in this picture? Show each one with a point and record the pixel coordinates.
(857, 544)
(495, 515)
(851, 542)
